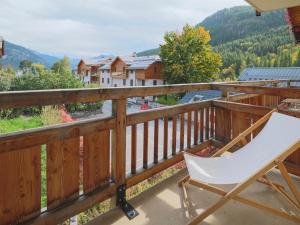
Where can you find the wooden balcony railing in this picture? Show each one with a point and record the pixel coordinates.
(77, 179)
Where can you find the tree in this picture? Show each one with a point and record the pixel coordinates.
(62, 66)
(25, 64)
(188, 57)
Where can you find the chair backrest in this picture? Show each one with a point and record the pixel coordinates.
(278, 135)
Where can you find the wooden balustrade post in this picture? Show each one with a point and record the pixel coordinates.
(119, 141)
(225, 94)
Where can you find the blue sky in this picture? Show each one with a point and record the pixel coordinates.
(85, 28)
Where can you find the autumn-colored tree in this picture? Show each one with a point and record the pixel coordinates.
(188, 57)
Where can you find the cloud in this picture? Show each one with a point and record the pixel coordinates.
(89, 27)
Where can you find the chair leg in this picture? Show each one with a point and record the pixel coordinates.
(289, 181)
(242, 200)
(183, 180)
(209, 211)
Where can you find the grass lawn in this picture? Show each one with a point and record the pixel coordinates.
(167, 100)
(20, 123)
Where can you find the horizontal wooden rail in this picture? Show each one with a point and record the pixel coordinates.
(252, 89)
(39, 136)
(19, 99)
(140, 117)
(72, 208)
(240, 107)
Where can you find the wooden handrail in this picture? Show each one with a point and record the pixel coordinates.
(18, 99)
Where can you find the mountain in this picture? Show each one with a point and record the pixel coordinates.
(243, 39)
(239, 22)
(235, 23)
(14, 54)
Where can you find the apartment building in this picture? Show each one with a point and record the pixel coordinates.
(132, 71)
(89, 69)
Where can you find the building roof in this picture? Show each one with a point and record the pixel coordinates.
(270, 73)
(205, 95)
(91, 62)
(106, 66)
(144, 62)
(269, 5)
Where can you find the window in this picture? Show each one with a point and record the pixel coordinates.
(154, 82)
(115, 85)
(107, 80)
(102, 80)
(124, 82)
(165, 82)
(131, 82)
(86, 73)
(131, 71)
(143, 82)
(102, 71)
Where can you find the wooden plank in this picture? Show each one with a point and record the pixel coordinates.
(206, 123)
(156, 132)
(201, 125)
(240, 122)
(133, 149)
(17, 99)
(181, 132)
(174, 134)
(189, 129)
(256, 110)
(166, 137)
(196, 127)
(96, 160)
(170, 111)
(249, 89)
(212, 122)
(62, 171)
(39, 136)
(20, 189)
(75, 207)
(118, 145)
(222, 124)
(145, 146)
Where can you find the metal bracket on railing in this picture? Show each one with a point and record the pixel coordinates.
(128, 209)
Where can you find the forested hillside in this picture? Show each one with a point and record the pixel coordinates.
(14, 54)
(244, 40)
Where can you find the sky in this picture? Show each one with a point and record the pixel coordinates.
(86, 28)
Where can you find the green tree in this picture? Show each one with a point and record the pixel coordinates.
(25, 64)
(188, 57)
(62, 66)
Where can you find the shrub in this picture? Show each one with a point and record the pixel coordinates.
(50, 115)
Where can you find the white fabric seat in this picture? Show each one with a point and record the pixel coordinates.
(280, 132)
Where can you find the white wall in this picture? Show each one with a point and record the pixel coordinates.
(119, 82)
(106, 76)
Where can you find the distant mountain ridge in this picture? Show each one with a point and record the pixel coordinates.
(236, 23)
(14, 54)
